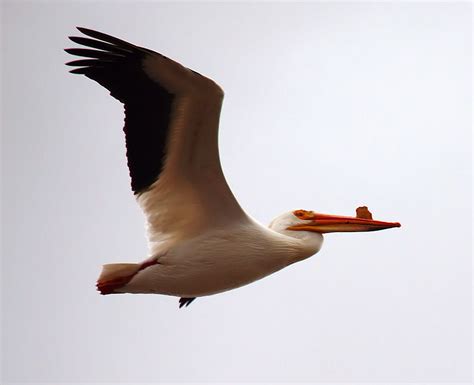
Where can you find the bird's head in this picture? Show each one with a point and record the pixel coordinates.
(309, 227)
(294, 222)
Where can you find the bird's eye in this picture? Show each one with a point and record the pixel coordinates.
(303, 214)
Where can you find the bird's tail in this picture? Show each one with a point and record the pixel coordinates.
(116, 275)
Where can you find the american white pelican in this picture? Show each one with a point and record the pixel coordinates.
(201, 242)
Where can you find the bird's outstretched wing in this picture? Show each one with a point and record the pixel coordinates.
(171, 126)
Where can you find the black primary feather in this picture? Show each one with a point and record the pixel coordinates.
(117, 66)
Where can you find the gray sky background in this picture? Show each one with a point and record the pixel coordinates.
(328, 106)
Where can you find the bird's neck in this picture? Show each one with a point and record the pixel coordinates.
(307, 243)
(310, 242)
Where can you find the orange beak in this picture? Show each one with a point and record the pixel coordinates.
(324, 223)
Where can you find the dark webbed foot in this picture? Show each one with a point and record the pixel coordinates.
(185, 301)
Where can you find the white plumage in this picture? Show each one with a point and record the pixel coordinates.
(201, 241)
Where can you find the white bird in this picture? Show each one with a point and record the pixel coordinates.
(201, 242)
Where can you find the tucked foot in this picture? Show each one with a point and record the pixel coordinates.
(185, 301)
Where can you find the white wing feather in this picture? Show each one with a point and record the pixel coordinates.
(191, 194)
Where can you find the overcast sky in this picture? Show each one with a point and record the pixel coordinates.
(328, 106)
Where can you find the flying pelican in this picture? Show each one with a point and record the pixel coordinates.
(201, 242)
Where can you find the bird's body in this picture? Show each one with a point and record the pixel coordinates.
(220, 259)
(201, 242)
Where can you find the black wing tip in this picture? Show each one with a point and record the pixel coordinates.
(78, 71)
(75, 39)
(94, 34)
(85, 30)
(106, 38)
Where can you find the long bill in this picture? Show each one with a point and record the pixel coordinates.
(324, 223)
